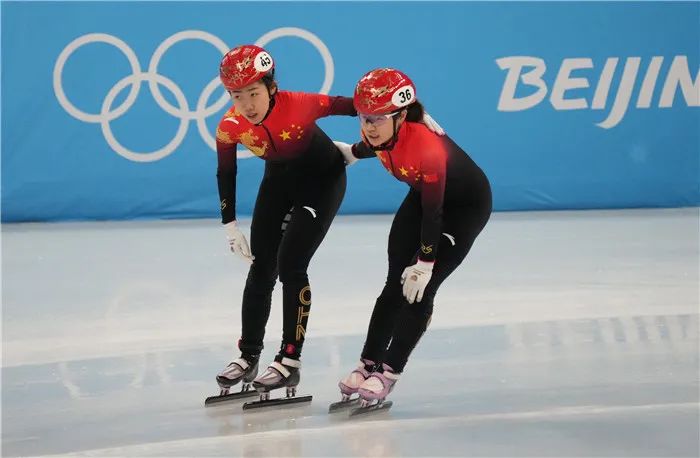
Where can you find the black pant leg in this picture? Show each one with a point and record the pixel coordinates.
(315, 207)
(404, 240)
(463, 225)
(271, 206)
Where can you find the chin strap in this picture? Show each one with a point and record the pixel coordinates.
(269, 109)
(386, 146)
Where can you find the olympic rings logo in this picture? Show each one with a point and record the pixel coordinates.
(201, 112)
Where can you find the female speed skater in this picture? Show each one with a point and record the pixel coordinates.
(447, 206)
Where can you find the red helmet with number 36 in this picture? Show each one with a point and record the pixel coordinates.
(244, 65)
(383, 91)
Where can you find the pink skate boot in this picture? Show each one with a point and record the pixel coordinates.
(350, 384)
(377, 387)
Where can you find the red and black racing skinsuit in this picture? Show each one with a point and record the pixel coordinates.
(304, 172)
(447, 206)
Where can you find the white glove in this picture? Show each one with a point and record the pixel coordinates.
(346, 150)
(237, 242)
(432, 124)
(414, 280)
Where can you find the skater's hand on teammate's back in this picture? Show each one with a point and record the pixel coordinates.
(414, 280)
(237, 242)
(346, 150)
(432, 124)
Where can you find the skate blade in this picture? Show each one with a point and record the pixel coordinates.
(342, 405)
(386, 405)
(276, 402)
(229, 397)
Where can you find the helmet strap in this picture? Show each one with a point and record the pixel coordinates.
(272, 105)
(395, 137)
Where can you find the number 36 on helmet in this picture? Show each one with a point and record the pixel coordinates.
(383, 91)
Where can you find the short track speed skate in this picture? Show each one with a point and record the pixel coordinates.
(238, 370)
(374, 390)
(370, 406)
(346, 402)
(349, 386)
(280, 374)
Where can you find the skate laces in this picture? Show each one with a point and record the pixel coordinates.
(366, 365)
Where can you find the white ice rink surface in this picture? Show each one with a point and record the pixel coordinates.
(563, 334)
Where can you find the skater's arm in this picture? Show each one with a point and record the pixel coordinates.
(361, 151)
(351, 153)
(322, 105)
(226, 177)
(432, 197)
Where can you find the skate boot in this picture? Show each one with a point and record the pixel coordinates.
(350, 384)
(375, 389)
(245, 369)
(282, 373)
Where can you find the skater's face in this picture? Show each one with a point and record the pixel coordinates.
(253, 101)
(378, 129)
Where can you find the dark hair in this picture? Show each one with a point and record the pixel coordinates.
(269, 80)
(414, 112)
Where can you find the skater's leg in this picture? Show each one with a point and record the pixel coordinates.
(312, 216)
(463, 225)
(314, 211)
(270, 208)
(404, 238)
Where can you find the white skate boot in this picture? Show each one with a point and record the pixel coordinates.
(240, 369)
